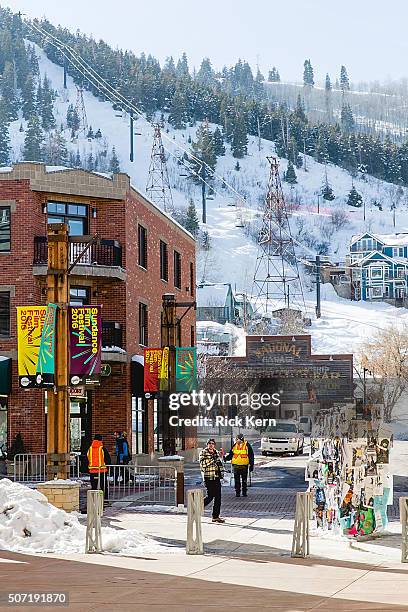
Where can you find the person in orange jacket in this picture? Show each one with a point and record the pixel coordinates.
(98, 459)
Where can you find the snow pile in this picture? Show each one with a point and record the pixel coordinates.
(29, 524)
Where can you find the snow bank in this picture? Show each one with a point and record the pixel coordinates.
(29, 524)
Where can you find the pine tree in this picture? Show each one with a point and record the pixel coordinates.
(78, 162)
(114, 165)
(354, 198)
(4, 136)
(328, 98)
(347, 119)
(203, 149)
(327, 191)
(206, 74)
(237, 167)
(308, 76)
(33, 140)
(98, 134)
(274, 75)
(218, 140)
(28, 98)
(344, 80)
(90, 162)
(8, 92)
(191, 221)
(239, 137)
(206, 241)
(76, 122)
(90, 134)
(70, 112)
(45, 103)
(290, 174)
(178, 116)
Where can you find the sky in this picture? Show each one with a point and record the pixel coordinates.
(367, 36)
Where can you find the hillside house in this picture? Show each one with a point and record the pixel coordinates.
(379, 268)
(219, 303)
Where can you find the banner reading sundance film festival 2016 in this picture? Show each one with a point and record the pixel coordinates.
(85, 341)
(46, 359)
(186, 369)
(30, 321)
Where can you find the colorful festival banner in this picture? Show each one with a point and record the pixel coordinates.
(85, 342)
(46, 363)
(153, 358)
(30, 321)
(186, 369)
(164, 370)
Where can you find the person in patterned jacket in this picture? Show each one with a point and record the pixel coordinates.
(212, 469)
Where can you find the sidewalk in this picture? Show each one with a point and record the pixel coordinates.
(247, 562)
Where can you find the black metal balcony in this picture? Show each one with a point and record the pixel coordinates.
(106, 253)
(112, 335)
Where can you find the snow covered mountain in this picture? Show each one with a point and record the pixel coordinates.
(321, 226)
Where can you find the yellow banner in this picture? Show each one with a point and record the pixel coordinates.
(30, 322)
(164, 370)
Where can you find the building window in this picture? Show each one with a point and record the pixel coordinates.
(398, 251)
(142, 246)
(74, 215)
(5, 229)
(376, 292)
(192, 336)
(4, 313)
(177, 270)
(376, 273)
(79, 296)
(143, 331)
(192, 287)
(400, 273)
(164, 261)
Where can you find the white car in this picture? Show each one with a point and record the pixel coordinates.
(283, 437)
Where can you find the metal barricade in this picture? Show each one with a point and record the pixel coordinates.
(149, 484)
(32, 467)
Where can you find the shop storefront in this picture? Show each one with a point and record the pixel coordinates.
(5, 390)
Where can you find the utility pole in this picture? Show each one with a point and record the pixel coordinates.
(318, 309)
(58, 400)
(131, 136)
(65, 72)
(203, 175)
(169, 339)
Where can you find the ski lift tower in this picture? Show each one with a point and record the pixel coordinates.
(158, 183)
(277, 283)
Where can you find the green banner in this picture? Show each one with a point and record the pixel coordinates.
(186, 369)
(46, 364)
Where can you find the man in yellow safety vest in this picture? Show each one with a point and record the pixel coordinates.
(241, 456)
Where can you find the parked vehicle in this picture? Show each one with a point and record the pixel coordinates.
(305, 423)
(283, 437)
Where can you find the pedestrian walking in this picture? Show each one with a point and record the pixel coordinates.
(123, 456)
(212, 469)
(98, 459)
(241, 456)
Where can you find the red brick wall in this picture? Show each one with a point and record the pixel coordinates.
(118, 220)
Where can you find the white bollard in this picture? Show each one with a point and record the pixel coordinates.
(301, 536)
(403, 506)
(94, 503)
(195, 505)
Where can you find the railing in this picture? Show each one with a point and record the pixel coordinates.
(104, 253)
(112, 334)
(32, 467)
(144, 484)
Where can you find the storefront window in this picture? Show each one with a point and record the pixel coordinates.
(137, 425)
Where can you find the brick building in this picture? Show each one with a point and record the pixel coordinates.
(142, 254)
